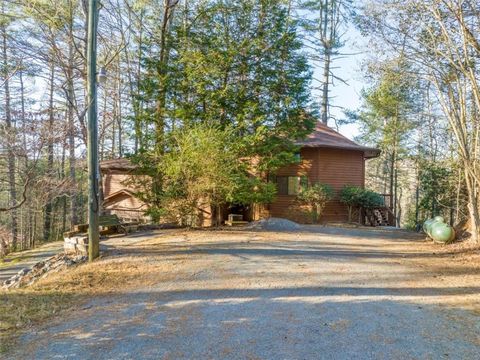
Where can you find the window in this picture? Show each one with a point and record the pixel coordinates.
(282, 185)
(290, 185)
(293, 185)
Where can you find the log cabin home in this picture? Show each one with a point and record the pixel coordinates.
(325, 156)
(118, 193)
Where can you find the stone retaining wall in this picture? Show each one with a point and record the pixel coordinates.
(28, 276)
(76, 244)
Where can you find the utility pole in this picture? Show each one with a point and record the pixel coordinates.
(92, 146)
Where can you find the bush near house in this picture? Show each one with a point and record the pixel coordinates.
(316, 197)
(370, 199)
(357, 197)
(350, 196)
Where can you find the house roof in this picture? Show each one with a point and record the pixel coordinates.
(325, 137)
(124, 192)
(122, 164)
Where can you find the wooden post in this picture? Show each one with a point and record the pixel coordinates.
(92, 146)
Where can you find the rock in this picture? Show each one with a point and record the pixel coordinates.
(38, 265)
(23, 271)
(77, 245)
(79, 258)
(26, 277)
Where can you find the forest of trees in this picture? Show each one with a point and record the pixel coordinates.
(422, 106)
(243, 71)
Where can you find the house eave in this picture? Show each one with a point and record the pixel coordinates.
(369, 153)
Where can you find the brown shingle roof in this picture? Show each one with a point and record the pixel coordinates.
(117, 164)
(324, 136)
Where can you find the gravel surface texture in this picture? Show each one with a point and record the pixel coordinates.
(322, 293)
(27, 259)
(274, 224)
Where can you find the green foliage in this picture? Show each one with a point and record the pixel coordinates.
(240, 65)
(236, 82)
(251, 190)
(350, 195)
(316, 197)
(356, 196)
(385, 120)
(437, 185)
(201, 170)
(370, 199)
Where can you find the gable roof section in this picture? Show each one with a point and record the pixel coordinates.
(124, 192)
(122, 164)
(325, 137)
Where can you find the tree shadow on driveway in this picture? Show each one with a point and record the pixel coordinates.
(286, 323)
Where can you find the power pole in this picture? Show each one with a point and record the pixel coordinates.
(92, 146)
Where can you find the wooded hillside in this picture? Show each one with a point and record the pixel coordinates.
(246, 71)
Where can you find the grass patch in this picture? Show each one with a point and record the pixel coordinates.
(22, 308)
(12, 261)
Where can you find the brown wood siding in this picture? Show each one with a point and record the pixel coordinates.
(331, 166)
(113, 183)
(125, 205)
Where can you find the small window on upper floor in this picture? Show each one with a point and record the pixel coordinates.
(298, 157)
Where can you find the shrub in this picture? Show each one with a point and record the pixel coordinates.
(355, 196)
(350, 195)
(316, 197)
(370, 199)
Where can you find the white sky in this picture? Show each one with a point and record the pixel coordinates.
(349, 69)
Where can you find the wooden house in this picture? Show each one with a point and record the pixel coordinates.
(118, 191)
(325, 156)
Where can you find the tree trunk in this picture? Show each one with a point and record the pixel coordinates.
(472, 205)
(49, 206)
(11, 138)
(71, 135)
(168, 10)
(325, 86)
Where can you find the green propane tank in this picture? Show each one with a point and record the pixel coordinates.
(439, 219)
(442, 233)
(429, 227)
(425, 225)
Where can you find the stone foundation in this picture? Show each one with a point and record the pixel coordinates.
(76, 245)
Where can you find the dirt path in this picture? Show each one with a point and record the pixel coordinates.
(322, 294)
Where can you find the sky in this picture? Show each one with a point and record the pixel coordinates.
(349, 69)
(345, 95)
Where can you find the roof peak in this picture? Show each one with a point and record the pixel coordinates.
(324, 136)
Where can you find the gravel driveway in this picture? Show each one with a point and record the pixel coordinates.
(320, 294)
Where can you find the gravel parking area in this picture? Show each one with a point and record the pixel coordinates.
(320, 293)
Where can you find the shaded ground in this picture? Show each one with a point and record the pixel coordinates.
(325, 293)
(15, 262)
